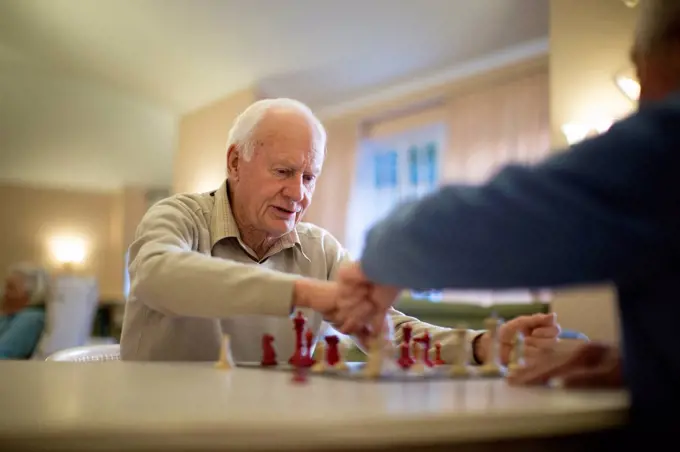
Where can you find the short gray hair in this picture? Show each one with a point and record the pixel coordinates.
(36, 280)
(658, 25)
(241, 133)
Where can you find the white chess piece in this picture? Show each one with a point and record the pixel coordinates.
(342, 351)
(517, 354)
(492, 365)
(225, 361)
(461, 367)
(320, 365)
(418, 366)
(376, 355)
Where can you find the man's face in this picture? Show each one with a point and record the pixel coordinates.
(273, 190)
(16, 295)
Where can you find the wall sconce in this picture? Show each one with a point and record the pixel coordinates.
(631, 3)
(627, 83)
(575, 132)
(68, 251)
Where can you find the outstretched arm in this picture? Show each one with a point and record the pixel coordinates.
(599, 212)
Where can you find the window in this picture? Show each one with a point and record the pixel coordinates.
(391, 170)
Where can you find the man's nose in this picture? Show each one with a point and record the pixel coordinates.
(295, 189)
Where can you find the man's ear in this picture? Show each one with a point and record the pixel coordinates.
(233, 160)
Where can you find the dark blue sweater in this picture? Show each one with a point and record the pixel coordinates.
(608, 210)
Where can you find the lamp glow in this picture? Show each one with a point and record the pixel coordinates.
(629, 87)
(68, 250)
(576, 132)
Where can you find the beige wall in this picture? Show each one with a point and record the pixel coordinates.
(589, 43)
(107, 220)
(200, 160)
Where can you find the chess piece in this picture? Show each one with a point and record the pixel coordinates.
(517, 353)
(299, 325)
(307, 360)
(425, 341)
(438, 361)
(461, 359)
(405, 360)
(299, 375)
(332, 350)
(376, 351)
(418, 363)
(341, 364)
(268, 351)
(320, 365)
(225, 361)
(492, 365)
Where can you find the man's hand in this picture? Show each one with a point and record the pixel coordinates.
(592, 365)
(320, 296)
(362, 303)
(540, 332)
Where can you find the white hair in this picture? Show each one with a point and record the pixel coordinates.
(243, 129)
(658, 25)
(36, 280)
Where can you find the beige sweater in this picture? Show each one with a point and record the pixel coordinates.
(193, 279)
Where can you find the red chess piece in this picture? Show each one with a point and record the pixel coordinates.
(407, 330)
(299, 325)
(268, 352)
(332, 352)
(405, 361)
(438, 361)
(425, 340)
(300, 375)
(307, 360)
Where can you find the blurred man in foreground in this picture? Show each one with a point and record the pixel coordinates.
(607, 210)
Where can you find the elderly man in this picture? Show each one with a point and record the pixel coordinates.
(238, 260)
(606, 210)
(22, 313)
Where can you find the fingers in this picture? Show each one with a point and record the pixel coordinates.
(546, 332)
(544, 367)
(600, 377)
(540, 369)
(532, 322)
(357, 318)
(540, 343)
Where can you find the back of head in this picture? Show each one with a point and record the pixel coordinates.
(245, 125)
(658, 26)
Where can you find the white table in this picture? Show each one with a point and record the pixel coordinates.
(164, 406)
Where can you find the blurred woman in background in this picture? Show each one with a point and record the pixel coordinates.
(22, 311)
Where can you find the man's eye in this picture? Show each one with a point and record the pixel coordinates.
(309, 178)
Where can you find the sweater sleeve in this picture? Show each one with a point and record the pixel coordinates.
(603, 211)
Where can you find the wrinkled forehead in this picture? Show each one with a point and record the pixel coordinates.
(290, 135)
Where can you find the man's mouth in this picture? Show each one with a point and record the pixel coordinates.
(285, 211)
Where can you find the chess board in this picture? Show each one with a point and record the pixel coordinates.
(354, 371)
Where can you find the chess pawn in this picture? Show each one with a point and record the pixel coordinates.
(517, 353)
(418, 362)
(342, 352)
(320, 364)
(374, 363)
(492, 365)
(225, 361)
(461, 359)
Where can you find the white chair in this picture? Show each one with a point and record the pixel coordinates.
(70, 313)
(94, 353)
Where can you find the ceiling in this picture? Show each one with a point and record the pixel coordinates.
(82, 79)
